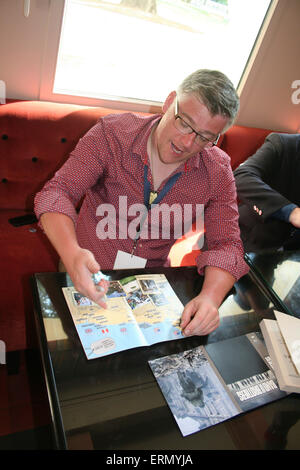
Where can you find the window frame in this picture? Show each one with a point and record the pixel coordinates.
(55, 24)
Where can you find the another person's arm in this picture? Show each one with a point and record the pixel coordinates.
(294, 217)
(257, 177)
(289, 213)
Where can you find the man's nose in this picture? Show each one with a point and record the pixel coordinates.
(188, 140)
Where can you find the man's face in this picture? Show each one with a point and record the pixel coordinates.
(172, 145)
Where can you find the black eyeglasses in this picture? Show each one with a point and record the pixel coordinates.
(185, 128)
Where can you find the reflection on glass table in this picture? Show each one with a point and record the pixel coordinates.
(114, 402)
(278, 272)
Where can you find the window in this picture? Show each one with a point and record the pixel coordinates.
(140, 50)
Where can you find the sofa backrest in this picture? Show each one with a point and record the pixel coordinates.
(240, 142)
(36, 138)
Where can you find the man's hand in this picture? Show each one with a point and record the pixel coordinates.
(200, 316)
(80, 269)
(79, 263)
(294, 218)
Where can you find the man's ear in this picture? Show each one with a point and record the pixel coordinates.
(169, 100)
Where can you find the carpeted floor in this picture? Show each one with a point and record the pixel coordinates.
(24, 411)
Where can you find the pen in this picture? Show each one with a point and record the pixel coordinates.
(97, 277)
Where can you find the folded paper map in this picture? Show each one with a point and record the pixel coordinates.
(141, 310)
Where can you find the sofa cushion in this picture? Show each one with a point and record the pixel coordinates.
(241, 142)
(35, 140)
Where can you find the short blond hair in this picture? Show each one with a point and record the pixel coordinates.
(215, 91)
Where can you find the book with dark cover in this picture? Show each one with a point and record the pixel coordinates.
(207, 385)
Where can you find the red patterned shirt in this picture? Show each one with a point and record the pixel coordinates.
(107, 167)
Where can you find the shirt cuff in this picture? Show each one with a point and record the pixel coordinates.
(233, 262)
(284, 212)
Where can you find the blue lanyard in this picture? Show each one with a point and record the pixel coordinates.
(147, 192)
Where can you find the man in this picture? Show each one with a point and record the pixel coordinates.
(170, 157)
(268, 188)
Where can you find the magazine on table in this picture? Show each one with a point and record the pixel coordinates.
(141, 310)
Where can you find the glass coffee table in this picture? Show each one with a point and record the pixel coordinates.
(278, 273)
(114, 402)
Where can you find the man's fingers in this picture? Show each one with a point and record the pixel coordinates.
(101, 302)
(186, 315)
(103, 285)
(199, 318)
(92, 291)
(205, 328)
(92, 265)
(96, 296)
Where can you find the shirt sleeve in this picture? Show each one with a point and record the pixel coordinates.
(80, 172)
(224, 246)
(284, 213)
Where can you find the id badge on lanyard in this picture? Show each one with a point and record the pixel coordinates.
(130, 260)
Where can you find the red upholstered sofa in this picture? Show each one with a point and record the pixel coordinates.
(35, 139)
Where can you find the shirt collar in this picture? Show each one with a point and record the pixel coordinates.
(139, 146)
